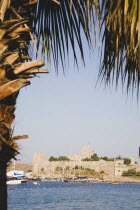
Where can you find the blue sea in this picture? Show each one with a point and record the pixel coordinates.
(74, 196)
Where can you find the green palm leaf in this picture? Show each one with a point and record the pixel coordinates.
(60, 27)
(121, 42)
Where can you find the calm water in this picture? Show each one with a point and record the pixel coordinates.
(74, 196)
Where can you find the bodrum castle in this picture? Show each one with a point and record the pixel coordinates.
(86, 160)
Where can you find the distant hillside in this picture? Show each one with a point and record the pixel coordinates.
(20, 166)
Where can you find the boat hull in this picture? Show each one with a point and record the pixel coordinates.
(15, 182)
(74, 180)
(114, 182)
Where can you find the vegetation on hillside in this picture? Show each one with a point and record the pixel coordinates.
(131, 172)
(107, 159)
(79, 172)
(93, 158)
(127, 161)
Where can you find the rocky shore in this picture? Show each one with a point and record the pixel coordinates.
(129, 179)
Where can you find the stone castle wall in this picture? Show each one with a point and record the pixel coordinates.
(49, 167)
(112, 168)
(119, 168)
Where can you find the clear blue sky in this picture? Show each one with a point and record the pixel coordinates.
(63, 113)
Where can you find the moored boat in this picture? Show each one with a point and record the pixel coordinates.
(36, 183)
(76, 179)
(15, 181)
(15, 177)
(115, 182)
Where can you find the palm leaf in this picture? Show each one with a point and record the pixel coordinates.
(60, 27)
(121, 42)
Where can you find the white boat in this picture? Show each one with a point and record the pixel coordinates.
(15, 181)
(15, 177)
(36, 183)
(15, 173)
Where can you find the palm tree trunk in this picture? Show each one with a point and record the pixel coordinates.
(8, 148)
(14, 74)
(3, 187)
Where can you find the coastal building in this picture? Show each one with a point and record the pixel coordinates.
(112, 168)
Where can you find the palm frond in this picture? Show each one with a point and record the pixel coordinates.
(60, 27)
(121, 42)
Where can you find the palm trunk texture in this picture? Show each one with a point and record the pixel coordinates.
(3, 187)
(16, 69)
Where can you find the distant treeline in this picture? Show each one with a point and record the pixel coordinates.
(94, 157)
(60, 158)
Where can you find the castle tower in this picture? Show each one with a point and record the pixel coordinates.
(38, 161)
(87, 152)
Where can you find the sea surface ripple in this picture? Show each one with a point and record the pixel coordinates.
(74, 196)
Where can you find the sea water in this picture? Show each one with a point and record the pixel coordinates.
(74, 196)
